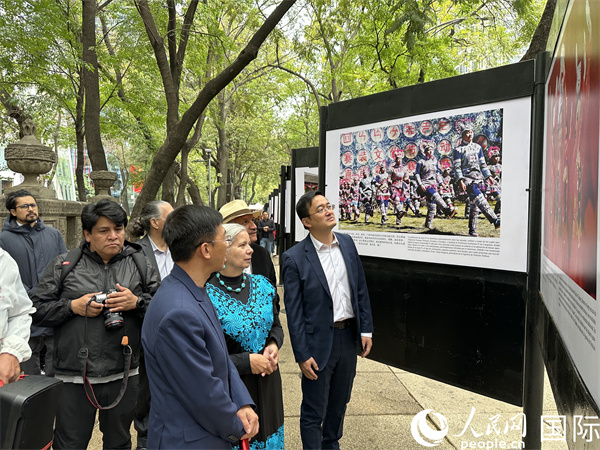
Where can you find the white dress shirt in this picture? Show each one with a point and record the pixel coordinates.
(334, 266)
(163, 259)
(15, 310)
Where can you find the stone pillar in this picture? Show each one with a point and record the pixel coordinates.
(103, 181)
(31, 158)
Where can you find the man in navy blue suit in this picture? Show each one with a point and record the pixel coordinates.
(198, 398)
(329, 318)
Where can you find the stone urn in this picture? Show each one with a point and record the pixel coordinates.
(103, 181)
(31, 158)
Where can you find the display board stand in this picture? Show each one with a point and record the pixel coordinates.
(303, 160)
(284, 238)
(457, 324)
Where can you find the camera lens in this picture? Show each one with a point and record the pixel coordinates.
(112, 320)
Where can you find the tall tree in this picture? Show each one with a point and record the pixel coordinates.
(91, 81)
(178, 130)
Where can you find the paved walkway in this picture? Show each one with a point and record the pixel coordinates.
(385, 401)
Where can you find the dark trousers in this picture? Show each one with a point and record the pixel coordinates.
(75, 416)
(32, 366)
(142, 408)
(324, 400)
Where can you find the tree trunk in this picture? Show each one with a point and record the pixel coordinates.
(49, 177)
(183, 177)
(168, 187)
(194, 193)
(124, 191)
(13, 110)
(251, 199)
(540, 36)
(177, 136)
(222, 152)
(92, 87)
(80, 139)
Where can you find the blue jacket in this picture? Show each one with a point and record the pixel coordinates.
(195, 388)
(308, 302)
(33, 249)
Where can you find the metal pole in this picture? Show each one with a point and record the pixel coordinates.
(533, 388)
(208, 152)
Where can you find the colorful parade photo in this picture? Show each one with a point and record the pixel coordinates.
(435, 176)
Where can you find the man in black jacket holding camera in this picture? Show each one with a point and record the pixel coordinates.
(97, 337)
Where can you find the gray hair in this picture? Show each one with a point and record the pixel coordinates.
(141, 224)
(233, 229)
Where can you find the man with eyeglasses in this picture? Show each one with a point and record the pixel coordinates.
(329, 315)
(198, 398)
(33, 246)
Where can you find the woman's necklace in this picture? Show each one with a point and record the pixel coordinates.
(237, 290)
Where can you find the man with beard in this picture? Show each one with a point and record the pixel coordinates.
(33, 246)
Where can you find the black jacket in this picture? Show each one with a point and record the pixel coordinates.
(73, 332)
(263, 265)
(270, 226)
(33, 249)
(148, 252)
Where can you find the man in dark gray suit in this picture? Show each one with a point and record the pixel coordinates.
(150, 223)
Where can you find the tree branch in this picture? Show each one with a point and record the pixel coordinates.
(162, 62)
(177, 136)
(303, 78)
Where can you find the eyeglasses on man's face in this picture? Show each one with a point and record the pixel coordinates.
(26, 206)
(323, 209)
(228, 240)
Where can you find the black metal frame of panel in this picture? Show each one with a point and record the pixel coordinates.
(284, 240)
(301, 157)
(571, 395)
(463, 326)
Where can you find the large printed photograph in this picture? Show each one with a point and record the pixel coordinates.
(440, 175)
(572, 129)
(306, 179)
(569, 272)
(447, 187)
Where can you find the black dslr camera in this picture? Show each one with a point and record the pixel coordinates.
(112, 320)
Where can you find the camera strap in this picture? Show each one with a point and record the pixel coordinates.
(89, 390)
(87, 386)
